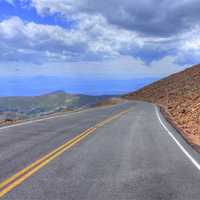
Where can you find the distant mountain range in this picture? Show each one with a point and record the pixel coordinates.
(37, 85)
(15, 108)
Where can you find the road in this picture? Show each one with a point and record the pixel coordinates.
(133, 154)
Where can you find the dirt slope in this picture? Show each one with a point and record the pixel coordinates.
(179, 95)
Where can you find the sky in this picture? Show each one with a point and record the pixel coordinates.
(92, 46)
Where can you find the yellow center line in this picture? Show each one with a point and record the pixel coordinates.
(15, 180)
(2, 184)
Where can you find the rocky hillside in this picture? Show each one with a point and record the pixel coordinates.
(179, 95)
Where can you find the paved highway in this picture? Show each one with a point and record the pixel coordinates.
(122, 152)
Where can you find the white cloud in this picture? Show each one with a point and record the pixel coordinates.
(93, 47)
(52, 6)
(10, 2)
(68, 51)
(91, 37)
(122, 67)
(164, 28)
(168, 19)
(191, 40)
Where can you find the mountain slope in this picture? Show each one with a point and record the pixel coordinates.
(179, 95)
(29, 106)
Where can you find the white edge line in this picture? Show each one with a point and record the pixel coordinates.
(196, 164)
(47, 118)
(32, 121)
(40, 120)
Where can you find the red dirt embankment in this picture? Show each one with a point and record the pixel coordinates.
(110, 102)
(179, 96)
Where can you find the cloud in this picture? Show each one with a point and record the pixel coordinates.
(21, 38)
(118, 27)
(147, 17)
(119, 68)
(108, 39)
(10, 2)
(93, 38)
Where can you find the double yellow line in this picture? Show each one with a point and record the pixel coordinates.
(15, 180)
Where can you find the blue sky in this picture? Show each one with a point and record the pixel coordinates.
(106, 47)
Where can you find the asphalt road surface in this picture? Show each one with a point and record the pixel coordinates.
(127, 151)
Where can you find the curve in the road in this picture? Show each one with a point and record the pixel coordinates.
(195, 163)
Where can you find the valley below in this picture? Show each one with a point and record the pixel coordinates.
(16, 109)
